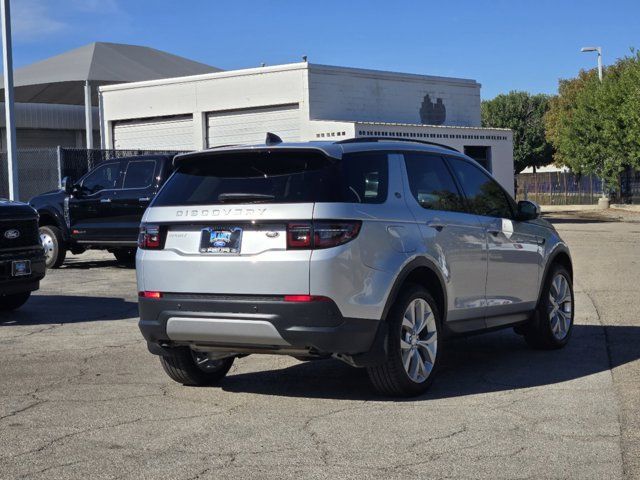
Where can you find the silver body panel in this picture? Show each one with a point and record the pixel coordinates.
(492, 267)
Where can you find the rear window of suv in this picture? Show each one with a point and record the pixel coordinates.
(277, 176)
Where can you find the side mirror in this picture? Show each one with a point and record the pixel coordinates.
(528, 210)
(67, 185)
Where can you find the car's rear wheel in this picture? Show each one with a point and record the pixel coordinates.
(189, 367)
(552, 322)
(54, 249)
(11, 302)
(412, 349)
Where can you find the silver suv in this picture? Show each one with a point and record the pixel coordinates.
(369, 250)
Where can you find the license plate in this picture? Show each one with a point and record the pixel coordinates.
(20, 268)
(221, 240)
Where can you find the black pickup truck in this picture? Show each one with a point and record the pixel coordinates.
(21, 255)
(101, 210)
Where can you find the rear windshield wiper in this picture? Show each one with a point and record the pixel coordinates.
(245, 197)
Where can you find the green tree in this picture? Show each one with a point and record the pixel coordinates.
(595, 126)
(524, 114)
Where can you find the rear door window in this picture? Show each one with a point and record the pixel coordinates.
(139, 174)
(431, 182)
(277, 176)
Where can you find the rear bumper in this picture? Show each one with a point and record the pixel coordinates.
(256, 323)
(10, 285)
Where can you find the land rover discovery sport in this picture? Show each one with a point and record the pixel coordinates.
(369, 250)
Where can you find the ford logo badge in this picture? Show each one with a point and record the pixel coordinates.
(12, 234)
(272, 234)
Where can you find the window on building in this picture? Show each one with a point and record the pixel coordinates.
(480, 154)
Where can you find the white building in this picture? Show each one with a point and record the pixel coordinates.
(301, 102)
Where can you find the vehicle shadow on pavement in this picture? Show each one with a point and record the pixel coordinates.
(88, 264)
(61, 309)
(559, 218)
(493, 362)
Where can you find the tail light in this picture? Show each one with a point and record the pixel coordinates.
(148, 294)
(321, 234)
(299, 235)
(150, 237)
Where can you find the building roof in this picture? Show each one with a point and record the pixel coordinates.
(60, 79)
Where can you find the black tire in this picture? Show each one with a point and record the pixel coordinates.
(56, 252)
(125, 256)
(11, 302)
(391, 378)
(538, 332)
(181, 366)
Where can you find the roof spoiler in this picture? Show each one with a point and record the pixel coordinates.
(235, 149)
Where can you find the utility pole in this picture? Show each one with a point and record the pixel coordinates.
(7, 63)
(603, 201)
(88, 115)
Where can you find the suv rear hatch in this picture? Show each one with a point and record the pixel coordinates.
(240, 222)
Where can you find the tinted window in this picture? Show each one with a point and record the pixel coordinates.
(431, 183)
(364, 177)
(139, 174)
(102, 178)
(484, 195)
(277, 177)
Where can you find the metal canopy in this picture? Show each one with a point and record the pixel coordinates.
(61, 79)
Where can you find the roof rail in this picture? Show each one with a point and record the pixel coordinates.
(394, 139)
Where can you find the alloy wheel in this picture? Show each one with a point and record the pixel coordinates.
(418, 340)
(560, 307)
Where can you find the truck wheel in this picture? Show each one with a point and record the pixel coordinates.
(54, 248)
(125, 256)
(188, 367)
(11, 302)
(412, 358)
(552, 322)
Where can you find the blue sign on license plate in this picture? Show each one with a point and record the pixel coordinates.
(20, 268)
(221, 240)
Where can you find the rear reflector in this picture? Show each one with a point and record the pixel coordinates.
(147, 294)
(306, 298)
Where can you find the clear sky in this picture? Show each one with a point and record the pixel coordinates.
(503, 44)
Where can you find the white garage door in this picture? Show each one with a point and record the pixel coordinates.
(162, 133)
(251, 125)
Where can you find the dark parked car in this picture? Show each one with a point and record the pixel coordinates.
(102, 210)
(22, 263)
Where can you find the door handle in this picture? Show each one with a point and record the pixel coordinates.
(437, 225)
(105, 200)
(144, 199)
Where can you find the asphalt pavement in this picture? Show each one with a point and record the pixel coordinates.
(80, 396)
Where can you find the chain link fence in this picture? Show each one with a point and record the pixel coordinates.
(566, 188)
(558, 188)
(42, 170)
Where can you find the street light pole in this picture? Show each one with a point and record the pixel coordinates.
(12, 161)
(603, 201)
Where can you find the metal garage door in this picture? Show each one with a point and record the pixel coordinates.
(251, 125)
(162, 133)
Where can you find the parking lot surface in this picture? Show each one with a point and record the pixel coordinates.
(80, 396)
